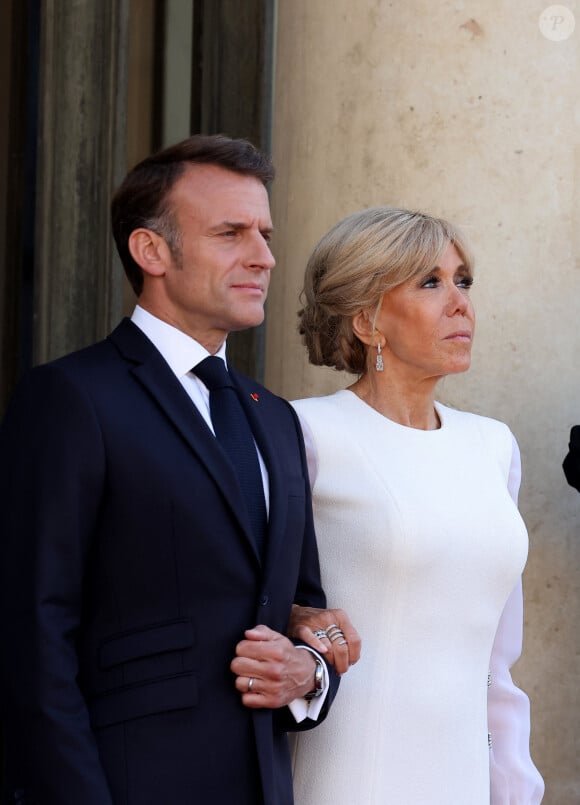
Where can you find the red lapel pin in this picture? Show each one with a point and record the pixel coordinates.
(254, 397)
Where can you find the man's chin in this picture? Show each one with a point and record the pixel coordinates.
(247, 322)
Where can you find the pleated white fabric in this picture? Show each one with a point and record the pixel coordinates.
(422, 544)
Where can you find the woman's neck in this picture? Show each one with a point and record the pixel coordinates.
(407, 404)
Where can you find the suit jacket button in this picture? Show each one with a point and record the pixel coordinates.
(264, 600)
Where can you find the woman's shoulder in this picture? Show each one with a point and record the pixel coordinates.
(323, 416)
(493, 432)
(314, 405)
(468, 419)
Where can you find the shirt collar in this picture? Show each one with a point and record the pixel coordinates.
(180, 351)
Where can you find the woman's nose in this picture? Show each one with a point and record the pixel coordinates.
(458, 300)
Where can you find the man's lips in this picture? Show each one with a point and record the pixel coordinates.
(249, 286)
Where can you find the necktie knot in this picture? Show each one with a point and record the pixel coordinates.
(213, 373)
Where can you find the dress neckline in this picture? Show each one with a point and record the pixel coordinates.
(407, 428)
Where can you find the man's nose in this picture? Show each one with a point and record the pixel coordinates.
(261, 255)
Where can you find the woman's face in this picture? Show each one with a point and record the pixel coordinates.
(428, 322)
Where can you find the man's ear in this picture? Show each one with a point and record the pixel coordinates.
(150, 251)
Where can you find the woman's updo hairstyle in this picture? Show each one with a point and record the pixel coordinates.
(354, 264)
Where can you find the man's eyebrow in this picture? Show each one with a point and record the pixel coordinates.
(235, 224)
(239, 225)
(228, 225)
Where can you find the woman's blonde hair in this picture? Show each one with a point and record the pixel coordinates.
(354, 264)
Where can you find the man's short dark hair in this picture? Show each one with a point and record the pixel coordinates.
(142, 198)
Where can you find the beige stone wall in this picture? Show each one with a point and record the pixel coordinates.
(468, 111)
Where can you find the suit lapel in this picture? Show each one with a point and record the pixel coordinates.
(153, 373)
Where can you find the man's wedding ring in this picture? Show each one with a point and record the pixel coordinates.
(250, 683)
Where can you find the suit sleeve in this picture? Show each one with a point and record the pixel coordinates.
(514, 778)
(309, 592)
(51, 476)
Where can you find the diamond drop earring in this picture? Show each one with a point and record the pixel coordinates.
(379, 365)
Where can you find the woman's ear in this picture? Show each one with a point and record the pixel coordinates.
(362, 327)
(150, 251)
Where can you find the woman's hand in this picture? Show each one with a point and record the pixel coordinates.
(328, 631)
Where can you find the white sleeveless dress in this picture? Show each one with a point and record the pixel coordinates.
(421, 543)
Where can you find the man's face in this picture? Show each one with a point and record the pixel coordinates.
(221, 280)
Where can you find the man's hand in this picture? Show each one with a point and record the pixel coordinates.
(270, 671)
(342, 651)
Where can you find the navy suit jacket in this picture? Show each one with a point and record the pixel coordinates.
(128, 575)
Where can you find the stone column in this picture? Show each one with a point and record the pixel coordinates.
(81, 157)
(472, 113)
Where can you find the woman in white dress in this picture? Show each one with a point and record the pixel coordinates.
(419, 534)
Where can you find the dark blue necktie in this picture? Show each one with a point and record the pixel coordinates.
(233, 432)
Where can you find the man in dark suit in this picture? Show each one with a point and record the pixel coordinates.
(134, 566)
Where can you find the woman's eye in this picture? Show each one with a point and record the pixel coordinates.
(465, 282)
(430, 282)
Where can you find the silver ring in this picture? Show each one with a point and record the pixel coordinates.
(251, 681)
(335, 633)
(319, 633)
(342, 642)
(332, 626)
